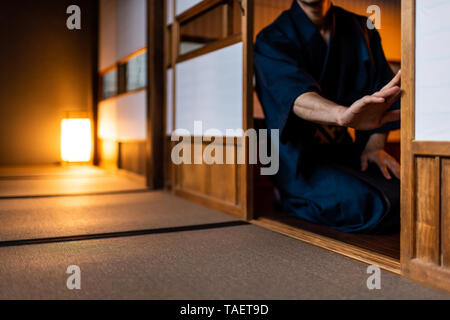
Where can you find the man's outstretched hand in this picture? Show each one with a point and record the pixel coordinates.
(370, 112)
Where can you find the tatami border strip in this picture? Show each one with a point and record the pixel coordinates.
(105, 193)
(111, 235)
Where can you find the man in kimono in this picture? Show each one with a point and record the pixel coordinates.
(321, 70)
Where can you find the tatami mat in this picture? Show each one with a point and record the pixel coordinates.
(179, 260)
(56, 181)
(67, 216)
(24, 172)
(243, 262)
(68, 186)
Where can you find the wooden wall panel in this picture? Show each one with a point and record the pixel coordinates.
(427, 210)
(225, 177)
(215, 182)
(445, 212)
(194, 178)
(129, 156)
(132, 157)
(212, 24)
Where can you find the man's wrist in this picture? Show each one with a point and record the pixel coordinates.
(339, 119)
(377, 141)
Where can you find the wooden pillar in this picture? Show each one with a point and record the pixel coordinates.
(155, 94)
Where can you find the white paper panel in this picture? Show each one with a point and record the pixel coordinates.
(107, 34)
(131, 26)
(186, 46)
(169, 102)
(107, 119)
(432, 70)
(131, 116)
(123, 29)
(183, 5)
(209, 89)
(124, 118)
(169, 11)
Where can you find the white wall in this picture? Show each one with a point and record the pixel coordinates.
(432, 70)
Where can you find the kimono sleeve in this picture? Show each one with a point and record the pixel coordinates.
(280, 79)
(383, 75)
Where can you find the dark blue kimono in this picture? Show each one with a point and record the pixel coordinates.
(318, 182)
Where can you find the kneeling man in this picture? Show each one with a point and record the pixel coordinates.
(320, 70)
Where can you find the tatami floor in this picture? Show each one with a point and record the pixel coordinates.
(134, 244)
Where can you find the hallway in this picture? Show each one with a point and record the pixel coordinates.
(134, 244)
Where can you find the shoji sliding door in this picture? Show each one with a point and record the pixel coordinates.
(209, 99)
(122, 110)
(426, 142)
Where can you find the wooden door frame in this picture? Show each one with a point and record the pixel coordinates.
(407, 132)
(155, 93)
(243, 206)
(425, 251)
(337, 246)
(247, 40)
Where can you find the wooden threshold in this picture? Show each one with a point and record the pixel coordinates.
(352, 251)
(209, 201)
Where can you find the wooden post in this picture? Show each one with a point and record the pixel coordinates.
(155, 94)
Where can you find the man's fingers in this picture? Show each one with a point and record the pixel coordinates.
(384, 162)
(373, 99)
(389, 92)
(396, 81)
(364, 163)
(394, 98)
(394, 166)
(391, 116)
(384, 170)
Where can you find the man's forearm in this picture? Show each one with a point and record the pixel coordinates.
(313, 107)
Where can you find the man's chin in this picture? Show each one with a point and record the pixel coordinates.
(312, 3)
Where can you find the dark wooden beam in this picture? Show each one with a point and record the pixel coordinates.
(96, 85)
(155, 92)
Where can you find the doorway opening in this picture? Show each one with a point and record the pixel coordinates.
(381, 249)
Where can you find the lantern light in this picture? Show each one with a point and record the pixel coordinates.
(76, 140)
